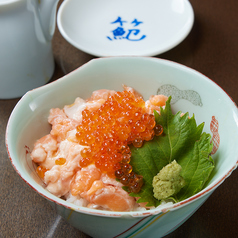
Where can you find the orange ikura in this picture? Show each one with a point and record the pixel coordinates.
(108, 131)
(40, 170)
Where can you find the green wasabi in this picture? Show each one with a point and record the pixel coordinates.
(168, 181)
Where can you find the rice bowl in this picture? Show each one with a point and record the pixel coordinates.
(28, 122)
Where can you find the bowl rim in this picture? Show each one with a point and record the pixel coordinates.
(205, 191)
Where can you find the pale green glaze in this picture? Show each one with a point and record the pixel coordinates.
(28, 122)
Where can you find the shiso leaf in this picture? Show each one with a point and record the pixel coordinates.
(182, 140)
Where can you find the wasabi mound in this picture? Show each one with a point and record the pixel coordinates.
(168, 181)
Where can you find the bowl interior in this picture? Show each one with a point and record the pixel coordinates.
(115, 28)
(192, 92)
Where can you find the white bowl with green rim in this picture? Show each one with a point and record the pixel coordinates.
(191, 92)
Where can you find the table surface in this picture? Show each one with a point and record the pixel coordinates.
(212, 49)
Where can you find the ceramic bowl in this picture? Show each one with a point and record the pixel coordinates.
(115, 28)
(191, 91)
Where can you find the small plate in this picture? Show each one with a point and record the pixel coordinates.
(125, 27)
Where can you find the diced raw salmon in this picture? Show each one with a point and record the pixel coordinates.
(45, 145)
(101, 94)
(113, 198)
(61, 124)
(84, 179)
(133, 91)
(155, 102)
(58, 177)
(94, 104)
(94, 186)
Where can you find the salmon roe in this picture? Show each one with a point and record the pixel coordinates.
(41, 170)
(108, 131)
(60, 161)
